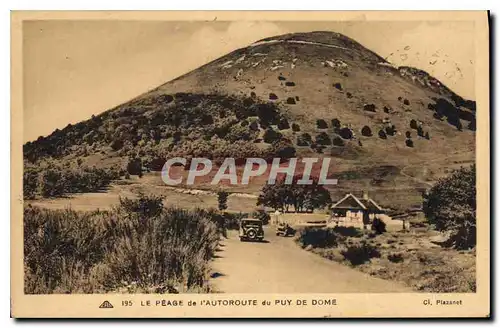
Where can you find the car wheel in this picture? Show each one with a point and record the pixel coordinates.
(251, 234)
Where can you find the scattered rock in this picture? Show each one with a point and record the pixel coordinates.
(281, 78)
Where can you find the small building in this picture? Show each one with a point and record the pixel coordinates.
(354, 211)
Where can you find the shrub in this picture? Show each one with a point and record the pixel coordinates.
(427, 136)
(270, 135)
(282, 148)
(273, 96)
(145, 205)
(420, 131)
(390, 130)
(366, 131)
(338, 86)
(317, 237)
(409, 143)
(337, 141)
(295, 127)
(134, 166)
(323, 139)
(290, 101)
(360, 253)
(406, 102)
(347, 231)
(122, 250)
(304, 139)
(387, 109)
(408, 134)
(348, 94)
(283, 124)
(290, 84)
(346, 133)
(413, 124)
(382, 134)
(321, 124)
(378, 226)
(395, 257)
(335, 123)
(254, 126)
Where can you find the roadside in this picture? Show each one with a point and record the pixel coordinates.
(278, 265)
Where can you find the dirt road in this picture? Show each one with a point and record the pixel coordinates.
(279, 266)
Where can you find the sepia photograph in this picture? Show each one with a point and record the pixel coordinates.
(177, 162)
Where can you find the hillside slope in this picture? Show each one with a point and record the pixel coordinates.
(278, 88)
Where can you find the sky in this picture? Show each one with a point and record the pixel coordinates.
(75, 68)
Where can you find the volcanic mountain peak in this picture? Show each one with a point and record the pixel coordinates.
(320, 91)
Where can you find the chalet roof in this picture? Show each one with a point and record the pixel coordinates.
(351, 202)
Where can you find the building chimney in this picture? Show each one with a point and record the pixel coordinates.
(365, 195)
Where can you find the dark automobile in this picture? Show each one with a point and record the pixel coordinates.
(251, 229)
(284, 229)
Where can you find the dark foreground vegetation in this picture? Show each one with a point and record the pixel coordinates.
(140, 246)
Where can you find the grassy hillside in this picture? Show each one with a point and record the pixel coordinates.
(389, 130)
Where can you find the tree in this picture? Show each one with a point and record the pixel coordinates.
(30, 184)
(222, 200)
(450, 205)
(302, 197)
(321, 124)
(366, 131)
(323, 139)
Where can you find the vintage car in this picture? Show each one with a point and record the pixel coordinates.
(251, 229)
(284, 229)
